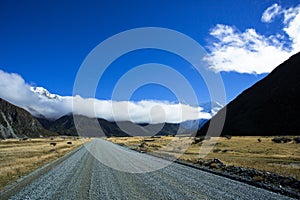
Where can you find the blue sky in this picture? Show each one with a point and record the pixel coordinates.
(45, 42)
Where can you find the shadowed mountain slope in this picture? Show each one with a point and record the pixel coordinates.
(101, 127)
(16, 122)
(269, 107)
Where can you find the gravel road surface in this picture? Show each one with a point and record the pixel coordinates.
(126, 174)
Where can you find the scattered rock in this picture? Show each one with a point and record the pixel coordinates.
(155, 136)
(216, 160)
(212, 163)
(258, 178)
(252, 175)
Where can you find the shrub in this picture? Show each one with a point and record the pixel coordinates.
(143, 144)
(207, 138)
(52, 150)
(297, 139)
(276, 140)
(198, 140)
(217, 150)
(281, 140)
(259, 140)
(228, 137)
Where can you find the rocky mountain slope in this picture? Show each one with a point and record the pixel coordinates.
(269, 107)
(17, 122)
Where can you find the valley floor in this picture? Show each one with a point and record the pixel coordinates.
(103, 170)
(19, 157)
(251, 152)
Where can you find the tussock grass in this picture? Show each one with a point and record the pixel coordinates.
(280, 158)
(20, 157)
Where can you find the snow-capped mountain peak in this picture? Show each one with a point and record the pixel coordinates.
(42, 92)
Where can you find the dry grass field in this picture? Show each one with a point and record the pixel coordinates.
(20, 157)
(265, 155)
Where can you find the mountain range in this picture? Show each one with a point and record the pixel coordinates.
(269, 107)
(66, 125)
(16, 122)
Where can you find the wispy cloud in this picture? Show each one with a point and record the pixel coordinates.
(270, 13)
(37, 101)
(251, 52)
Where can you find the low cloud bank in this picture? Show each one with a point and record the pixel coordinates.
(38, 101)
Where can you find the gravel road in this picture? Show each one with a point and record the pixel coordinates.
(81, 176)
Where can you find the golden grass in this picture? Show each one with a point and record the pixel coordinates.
(19, 157)
(282, 158)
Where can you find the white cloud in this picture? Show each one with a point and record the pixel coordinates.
(292, 26)
(146, 111)
(251, 52)
(14, 89)
(270, 13)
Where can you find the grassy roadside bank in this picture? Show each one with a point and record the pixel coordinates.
(250, 152)
(20, 157)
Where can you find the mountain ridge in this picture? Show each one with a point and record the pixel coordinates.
(16, 122)
(269, 107)
(66, 125)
